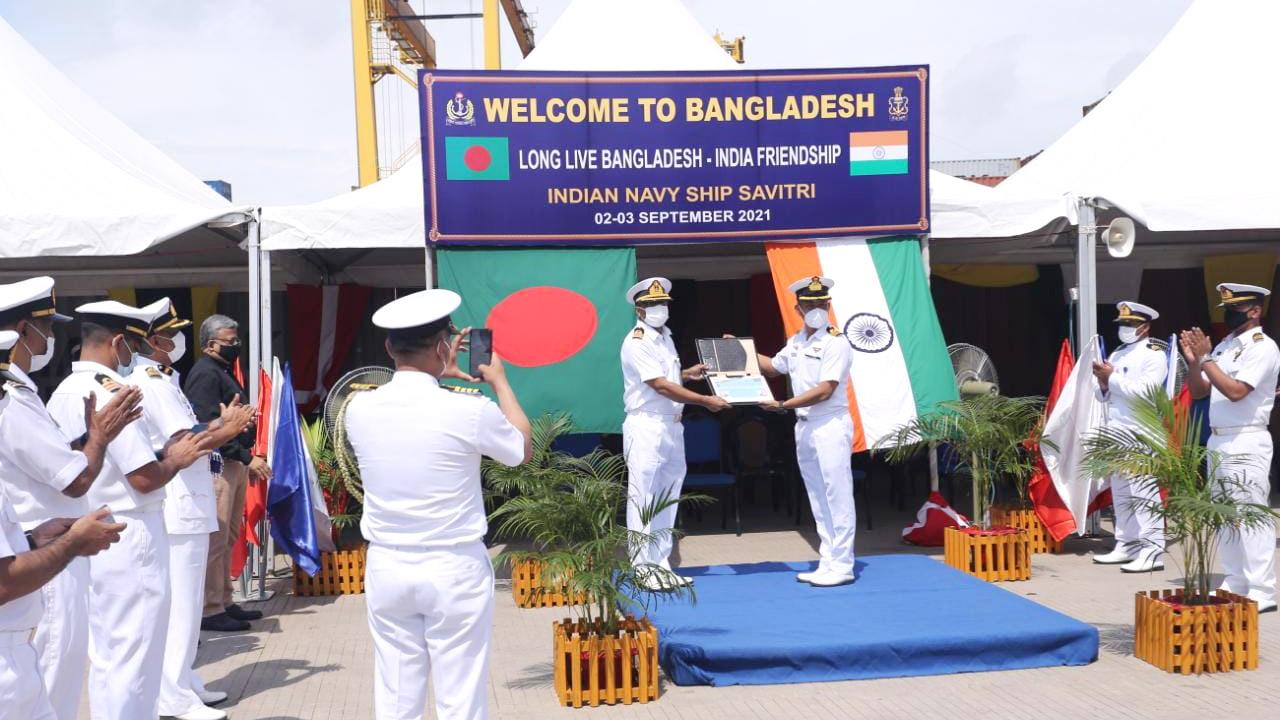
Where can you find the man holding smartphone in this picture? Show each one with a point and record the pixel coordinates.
(428, 580)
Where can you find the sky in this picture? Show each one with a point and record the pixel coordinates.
(259, 92)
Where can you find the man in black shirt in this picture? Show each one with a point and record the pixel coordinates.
(211, 384)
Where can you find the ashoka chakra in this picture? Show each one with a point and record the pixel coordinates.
(869, 333)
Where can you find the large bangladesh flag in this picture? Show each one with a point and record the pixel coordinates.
(558, 318)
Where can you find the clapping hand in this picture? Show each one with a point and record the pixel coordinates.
(237, 416)
(1195, 345)
(124, 407)
(95, 532)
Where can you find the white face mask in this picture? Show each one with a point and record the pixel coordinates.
(1128, 335)
(179, 348)
(41, 361)
(816, 318)
(656, 316)
(126, 368)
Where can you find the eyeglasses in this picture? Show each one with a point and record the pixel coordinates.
(235, 342)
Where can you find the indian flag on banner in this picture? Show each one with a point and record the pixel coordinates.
(477, 158)
(881, 304)
(878, 153)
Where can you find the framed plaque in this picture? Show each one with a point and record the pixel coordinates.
(733, 370)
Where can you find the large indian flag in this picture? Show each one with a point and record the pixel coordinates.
(881, 304)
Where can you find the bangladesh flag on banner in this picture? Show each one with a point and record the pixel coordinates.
(558, 318)
(476, 158)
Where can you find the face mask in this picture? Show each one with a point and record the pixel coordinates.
(1128, 335)
(1235, 318)
(816, 318)
(444, 356)
(179, 348)
(229, 353)
(41, 361)
(656, 316)
(126, 367)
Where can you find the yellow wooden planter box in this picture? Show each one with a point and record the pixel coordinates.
(1025, 518)
(341, 573)
(992, 555)
(1189, 639)
(529, 592)
(595, 669)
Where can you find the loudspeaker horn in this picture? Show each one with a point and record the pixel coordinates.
(1119, 237)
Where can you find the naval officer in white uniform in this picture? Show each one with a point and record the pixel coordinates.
(1139, 364)
(129, 582)
(1240, 376)
(818, 360)
(190, 513)
(428, 580)
(652, 437)
(28, 562)
(45, 477)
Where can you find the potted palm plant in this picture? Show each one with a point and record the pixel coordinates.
(573, 510)
(1194, 628)
(988, 434)
(341, 571)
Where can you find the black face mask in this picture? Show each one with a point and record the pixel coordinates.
(1235, 318)
(229, 353)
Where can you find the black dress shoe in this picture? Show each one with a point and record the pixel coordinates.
(223, 622)
(239, 613)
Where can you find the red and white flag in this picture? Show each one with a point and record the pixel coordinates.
(932, 520)
(1076, 413)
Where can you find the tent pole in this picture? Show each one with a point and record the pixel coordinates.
(266, 551)
(429, 260)
(255, 350)
(1086, 274)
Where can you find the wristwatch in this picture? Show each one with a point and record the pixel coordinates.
(31, 539)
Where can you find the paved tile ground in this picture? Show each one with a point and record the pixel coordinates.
(311, 658)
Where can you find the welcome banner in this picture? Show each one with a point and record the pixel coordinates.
(628, 158)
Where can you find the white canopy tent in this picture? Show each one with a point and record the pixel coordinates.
(1186, 146)
(75, 181)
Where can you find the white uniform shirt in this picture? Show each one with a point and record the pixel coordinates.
(418, 447)
(820, 357)
(129, 451)
(648, 354)
(1137, 367)
(1251, 358)
(20, 614)
(189, 504)
(36, 460)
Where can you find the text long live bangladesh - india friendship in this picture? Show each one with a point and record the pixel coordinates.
(608, 172)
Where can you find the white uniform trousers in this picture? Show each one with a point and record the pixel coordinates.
(824, 449)
(62, 639)
(22, 694)
(188, 557)
(1138, 528)
(1248, 558)
(430, 611)
(128, 620)
(654, 448)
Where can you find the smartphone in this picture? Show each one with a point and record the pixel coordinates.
(481, 342)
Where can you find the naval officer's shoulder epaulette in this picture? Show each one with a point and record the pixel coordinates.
(105, 381)
(11, 385)
(637, 334)
(462, 390)
(1157, 344)
(154, 372)
(832, 331)
(1259, 337)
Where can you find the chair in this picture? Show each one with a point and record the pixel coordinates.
(753, 459)
(577, 445)
(702, 449)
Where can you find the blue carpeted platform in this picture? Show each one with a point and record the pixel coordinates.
(906, 615)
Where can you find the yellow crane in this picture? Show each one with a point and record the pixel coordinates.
(412, 45)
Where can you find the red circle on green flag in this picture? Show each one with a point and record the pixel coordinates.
(477, 158)
(541, 325)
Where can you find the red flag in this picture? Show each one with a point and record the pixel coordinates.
(1049, 506)
(255, 496)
